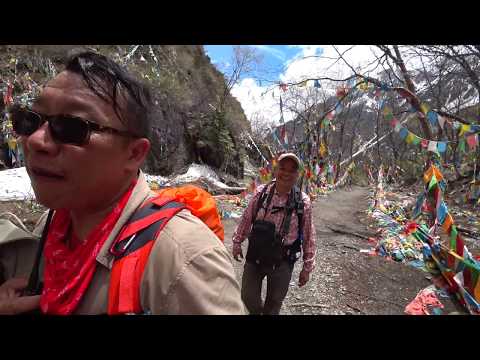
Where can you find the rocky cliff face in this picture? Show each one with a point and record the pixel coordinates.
(187, 90)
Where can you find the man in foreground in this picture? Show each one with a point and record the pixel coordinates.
(85, 139)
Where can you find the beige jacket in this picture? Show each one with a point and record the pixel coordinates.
(189, 270)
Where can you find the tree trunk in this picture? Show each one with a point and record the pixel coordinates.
(410, 86)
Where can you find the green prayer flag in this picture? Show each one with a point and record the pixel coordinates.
(433, 182)
(461, 145)
(388, 116)
(453, 238)
(416, 140)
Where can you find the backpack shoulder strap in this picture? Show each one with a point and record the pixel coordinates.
(299, 207)
(132, 249)
(294, 203)
(262, 197)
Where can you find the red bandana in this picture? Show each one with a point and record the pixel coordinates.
(68, 272)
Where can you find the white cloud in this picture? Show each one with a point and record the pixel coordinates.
(327, 64)
(259, 100)
(306, 64)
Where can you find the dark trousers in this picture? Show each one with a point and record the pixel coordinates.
(278, 280)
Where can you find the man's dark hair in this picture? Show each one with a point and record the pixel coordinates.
(107, 80)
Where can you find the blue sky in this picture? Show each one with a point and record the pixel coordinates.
(259, 94)
(274, 57)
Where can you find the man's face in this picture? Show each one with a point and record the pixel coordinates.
(287, 173)
(70, 176)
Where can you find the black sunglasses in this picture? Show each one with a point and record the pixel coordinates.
(64, 128)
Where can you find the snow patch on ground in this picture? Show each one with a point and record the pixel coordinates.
(15, 183)
(196, 172)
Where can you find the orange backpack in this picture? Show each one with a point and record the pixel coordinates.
(135, 241)
(200, 203)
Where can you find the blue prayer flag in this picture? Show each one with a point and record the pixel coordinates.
(403, 133)
(441, 146)
(432, 117)
(442, 213)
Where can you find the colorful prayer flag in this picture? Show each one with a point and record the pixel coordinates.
(447, 223)
(394, 122)
(322, 150)
(453, 238)
(442, 146)
(416, 140)
(442, 212)
(387, 110)
(409, 138)
(433, 182)
(432, 117)
(463, 129)
(424, 108)
(432, 146)
(441, 121)
(472, 141)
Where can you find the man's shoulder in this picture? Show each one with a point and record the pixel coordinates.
(183, 242)
(187, 234)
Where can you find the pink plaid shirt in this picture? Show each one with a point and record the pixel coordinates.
(309, 236)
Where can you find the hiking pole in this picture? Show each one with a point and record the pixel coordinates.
(33, 287)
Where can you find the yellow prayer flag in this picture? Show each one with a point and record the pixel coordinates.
(410, 138)
(424, 108)
(464, 128)
(322, 150)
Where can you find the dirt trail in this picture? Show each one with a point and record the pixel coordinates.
(346, 281)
